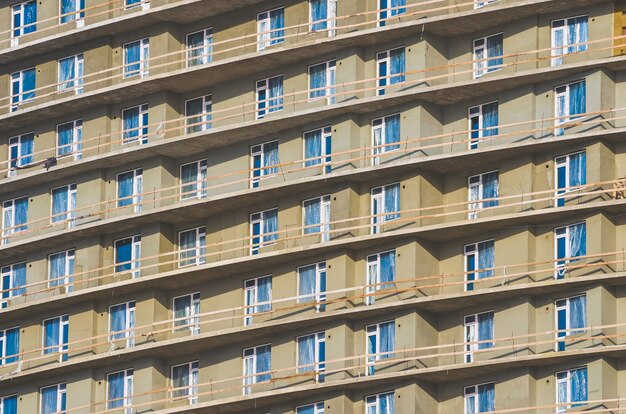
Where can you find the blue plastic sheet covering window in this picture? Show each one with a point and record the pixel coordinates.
(56, 335)
(13, 278)
(120, 388)
(24, 18)
(275, 102)
(392, 201)
(381, 342)
(319, 14)
(21, 149)
(494, 52)
(53, 399)
(318, 80)
(386, 134)
(578, 239)
(69, 138)
(63, 203)
(390, 8)
(126, 184)
(490, 189)
(571, 317)
(574, 381)
(313, 147)
(61, 265)
(11, 348)
(480, 399)
(277, 22)
(200, 47)
(68, 9)
(490, 119)
(381, 403)
(263, 363)
(485, 330)
(577, 98)
(9, 404)
(22, 86)
(127, 252)
(571, 171)
(311, 352)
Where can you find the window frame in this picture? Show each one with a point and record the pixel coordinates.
(369, 290)
(135, 262)
(330, 71)
(18, 99)
(76, 82)
(3, 346)
(143, 62)
(130, 308)
(61, 395)
(471, 249)
(136, 197)
(192, 320)
(67, 216)
(76, 146)
(371, 359)
(470, 330)
(200, 184)
(262, 108)
(568, 252)
(477, 111)
(199, 257)
(474, 207)
(254, 248)
(381, 124)
(384, 57)
(247, 388)
(62, 347)
(67, 279)
(318, 366)
(142, 128)
(472, 390)
(206, 116)
(191, 392)
(264, 38)
(16, 142)
(376, 401)
(320, 295)
(127, 399)
(377, 221)
(557, 58)
(482, 68)
(250, 309)
(324, 224)
(207, 47)
(325, 159)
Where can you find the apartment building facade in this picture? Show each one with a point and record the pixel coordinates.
(312, 207)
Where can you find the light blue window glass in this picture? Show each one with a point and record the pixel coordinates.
(391, 68)
(22, 87)
(136, 56)
(270, 28)
(8, 404)
(479, 257)
(479, 333)
(135, 124)
(71, 73)
(13, 279)
(186, 312)
(64, 204)
(257, 366)
(192, 245)
(380, 403)
(482, 187)
(193, 180)
(570, 242)
(53, 399)
(572, 387)
(488, 54)
(21, 150)
(69, 139)
(390, 8)
(130, 188)
(570, 103)
(385, 205)
(381, 274)
(312, 285)
(269, 96)
(72, 10)
(185, 382)
(571, 317)
(480, 398)
(24, 18)
(381, 342)
(263, 229)
(122, 324)
(322, 78)
(569, 36)
(385, 136)
(483, 123)
(14, 217)
(312, 354)
(120, 390)
(198, 114)
(571, 172)
(264, 161)
(316, 408)
(9, 345)
(128, 255)
(200, 47)
(317, 216)
(61, 269)
(317, 148)
(257, 297)
(56, 336)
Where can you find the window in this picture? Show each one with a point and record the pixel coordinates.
(71, 74)
(388, 9)
(9, 345)
(193, 178)
(263, 229)
(381, 342)
(145, 4)
(270, 28)
(64, 204)
(316, 216)
(483, 123)
(478, 330)
(571, 387)
(136, 58)
(264, 159)
(61, 269)
(480, 398)
(570, 315)
(317, 148)
(198, 114)
(199, 47)
(53, 399)
(385, 136)
(192, 247)
(312, 354)
(322, 78)
(187, 313)
(570, 102)
(567, 36)
(482, 3)
(8, 404)
(380, 403)
(14, 217)
(570, 241)
(385, 205)
(316, 408)
(185, 382)
(130, 188)
(128, 255)
(322, 15)
(122, 324)
(21, 150)
(269, 96)
(571, 172)
(120, 390)
(13, 279)
(72, 10)
(22, 88)
(135, 124)
(312, 285)
(482, 187)
(381, 274)
(24, 19)
(390, 68)
(55, 336)
(257, 363)
(257, 297)
(69, 139)
(488, 54)
(479, 257)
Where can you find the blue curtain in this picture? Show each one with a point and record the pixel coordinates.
(27, 145)
(578, 98)
(306, 353)
(397, 8)
(66, 72)
(312, 215)
(490, 119)
(21, 213)
(59, 204)
(28, 90)
(486, 259)
(125, 189)
(57, 268)
(583, 32)
(30, 17)
(398, 66)
(578, 240)
(470, 404)
(307, 409)
(490, 189)
(123, 251)
(485, 330)
(392, 132)
(263, 362)
(19, 278)
(9, 405)
(387, 339)
(319, 14)
(558, 41)
(12, 345)
(275, 102)
(132, 56)
(307, 281)
(486, 398)
(387, 269)
(67, 7)
(372, 349)
(51, 335)
(317, 79)
(264, 294)
(118, 321)
(579, 385)
(392, 201)
(578, 169)
(270, 157)
(271, 225)
(66, 138)
(382, 73)
(387, 403)
(494, 52)
(578, 312)
(116, 390)
(131, 123)
(313, 147)
(49, 399)
(277, 21)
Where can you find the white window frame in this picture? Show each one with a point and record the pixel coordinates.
(477, 181)
(251, 353)
(319, 367)
(128, 331)
(20, 81)
(380, 124)
(61, 348)
(567, 380)
(3, 346)
(141, 138)
(199, 257)
(16, 142)
(10, 274)
(135, 264)
(471, 249)
(75, 146)
(482, 3)
(77, 15)
(264, 37)
(324, 225)
(61, 389)
(71, 214)
(564, 91)
(374, 330)
(199, 183)
(567, 307)
(370, 260)
(481, 68)
(137, 188)
(384, 57)
(79, 67)
(557, 58)
(472, 390)
(19, 9)
(563, 161)
(70, 256)
(192, 320)
(191, 392)
(10, 205)
(331, 18)
(264, 85)
(207, 102)
(470, 334)
(373, 401)
(128, 390)
(259, 151)
(318, 407)
(259, 217)
(206, 45)
(143, 62)
(252, 285)
(568, 251)
(330, 88)
(476, 111)
(377, 194)
(325, 160)
(319, 296)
